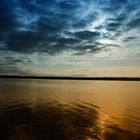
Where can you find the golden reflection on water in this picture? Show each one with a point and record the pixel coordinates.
(69, 110)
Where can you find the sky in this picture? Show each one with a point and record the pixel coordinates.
(70, 37)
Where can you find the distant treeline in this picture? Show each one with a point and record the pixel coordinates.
(71, 78)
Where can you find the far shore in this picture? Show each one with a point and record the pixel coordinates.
(70, 78)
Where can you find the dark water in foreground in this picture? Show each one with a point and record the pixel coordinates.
(69, 110)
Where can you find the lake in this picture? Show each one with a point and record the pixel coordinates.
(69, 110)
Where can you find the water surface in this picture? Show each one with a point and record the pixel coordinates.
(69, 110)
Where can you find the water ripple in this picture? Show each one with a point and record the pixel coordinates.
(53, 116)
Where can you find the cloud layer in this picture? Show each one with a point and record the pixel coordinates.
(55, 26)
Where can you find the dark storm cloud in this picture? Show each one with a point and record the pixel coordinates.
(123, 15)
(134, 23)
(26, 24)
(54, 26)
(7, 17)
(23, 41)
(27, 34)
(82, 23)
(113, 26)
(116, 6)
(85, 35)
(69, 4)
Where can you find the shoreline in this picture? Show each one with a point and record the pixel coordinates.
(71, 78)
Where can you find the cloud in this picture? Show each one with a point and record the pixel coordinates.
(37, 28)
(134, 23)
(130, 38)
(14, 64)
(53, 27)
(11, 67)
(69, 4)
(85, 35)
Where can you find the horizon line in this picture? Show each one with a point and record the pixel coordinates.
(69, 77)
